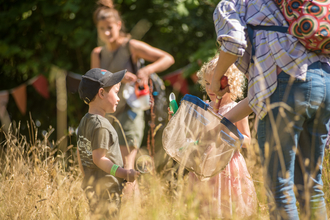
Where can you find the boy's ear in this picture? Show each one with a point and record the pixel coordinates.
(101, 93)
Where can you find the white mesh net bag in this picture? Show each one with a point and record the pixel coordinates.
(195, 140)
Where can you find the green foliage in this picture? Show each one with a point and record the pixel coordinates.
(180, 27)
(40, 33)
(37, 34)
(204, 54)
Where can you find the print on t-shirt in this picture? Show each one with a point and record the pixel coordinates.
(85, 150)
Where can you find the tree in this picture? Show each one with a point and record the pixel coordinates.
(38, 34)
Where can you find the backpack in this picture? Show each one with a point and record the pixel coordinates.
(159, 95)
(160, 99)
(309, 22)
(160, 120)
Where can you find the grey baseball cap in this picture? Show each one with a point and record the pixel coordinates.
(95, 79)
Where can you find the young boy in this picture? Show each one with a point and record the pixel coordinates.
(98, 149)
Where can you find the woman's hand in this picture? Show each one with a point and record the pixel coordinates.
(225, 60)
(129, 77)
(143, 76)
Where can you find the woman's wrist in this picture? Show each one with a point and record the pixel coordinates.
(147, 70)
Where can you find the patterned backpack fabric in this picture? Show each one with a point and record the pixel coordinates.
(309, 21)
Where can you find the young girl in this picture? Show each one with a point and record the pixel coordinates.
(232, 190)
(120, 52)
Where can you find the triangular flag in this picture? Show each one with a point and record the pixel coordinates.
(194, 78)
(4, 96)
(177, 81)
(41, 85)
(19, 94)
(72, 82)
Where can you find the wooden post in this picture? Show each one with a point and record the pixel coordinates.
(61, 106)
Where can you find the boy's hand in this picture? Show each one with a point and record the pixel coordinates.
(132, 175)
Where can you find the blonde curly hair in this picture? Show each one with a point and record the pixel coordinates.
(236, 78)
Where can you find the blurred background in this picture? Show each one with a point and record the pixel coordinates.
(45, 47)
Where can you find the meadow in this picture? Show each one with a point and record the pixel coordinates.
(37, 182)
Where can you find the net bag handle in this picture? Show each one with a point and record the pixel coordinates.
(197, 101)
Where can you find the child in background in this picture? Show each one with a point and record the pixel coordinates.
(98, 149)
(232, 190)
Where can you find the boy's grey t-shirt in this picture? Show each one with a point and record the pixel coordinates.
(95, 132)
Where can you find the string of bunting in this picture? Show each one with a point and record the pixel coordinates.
(40, 84)
(174, 79)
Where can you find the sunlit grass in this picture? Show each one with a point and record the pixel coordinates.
(34, 184)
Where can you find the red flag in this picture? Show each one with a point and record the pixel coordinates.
(4, 96)
(19, 94)
(41, 85)
(177, 81)
(194, 77)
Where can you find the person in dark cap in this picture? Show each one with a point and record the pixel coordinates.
(98, 148)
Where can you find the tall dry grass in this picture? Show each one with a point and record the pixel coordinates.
(36, 182)
(33, 182)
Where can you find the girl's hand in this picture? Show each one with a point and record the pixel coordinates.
(211, 105)
(169, 112)
(129, 77)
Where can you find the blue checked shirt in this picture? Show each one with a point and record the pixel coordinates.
(271, 48)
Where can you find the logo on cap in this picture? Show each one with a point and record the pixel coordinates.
(103, 71)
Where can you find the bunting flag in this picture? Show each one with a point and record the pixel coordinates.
(194, 78)
(72, 82)
(41, 85)
(177, 81)
(19, 94)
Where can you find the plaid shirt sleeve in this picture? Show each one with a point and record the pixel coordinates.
(229, 26)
